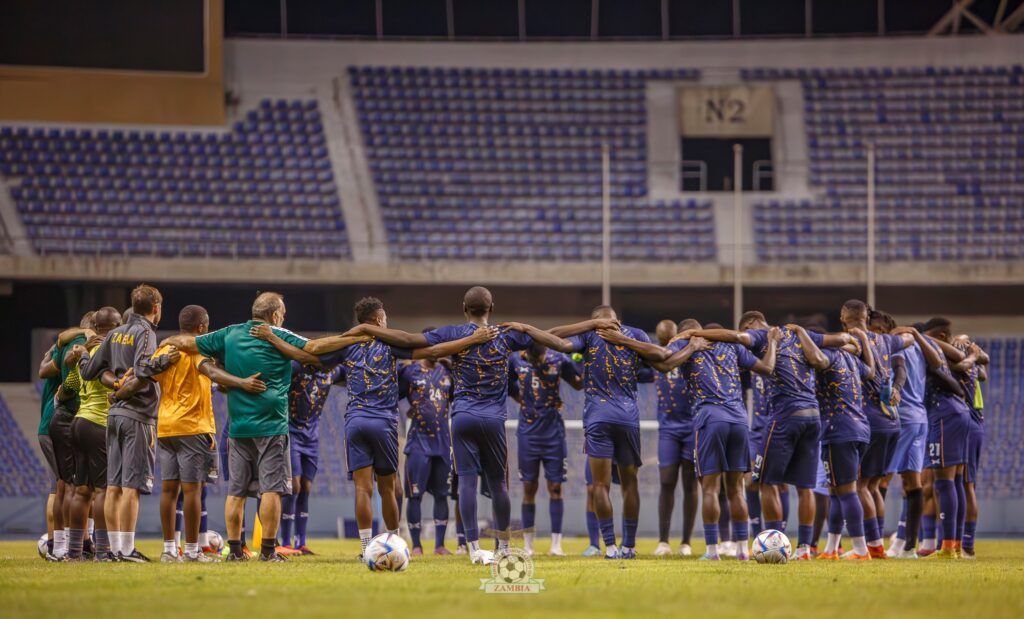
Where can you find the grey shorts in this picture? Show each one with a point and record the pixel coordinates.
(259, 465)
(190, 459)
(46, 446)
(131, 454)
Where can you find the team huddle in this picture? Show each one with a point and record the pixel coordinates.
(833, 415)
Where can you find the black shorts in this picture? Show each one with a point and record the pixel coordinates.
(89, 444)
(60, 437)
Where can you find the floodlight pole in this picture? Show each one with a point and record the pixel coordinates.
(606, 225)
(737, 234)
(871, 225)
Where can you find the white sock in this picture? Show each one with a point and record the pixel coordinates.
(204, 539)
(177, 539)
(59, 543)
(556, 541)
(115, 541)
(67, 540)
(170, 546)
(860, 546)
(712, 549)
(528, 542)
(191, 550)
(742, 548)
(91, 527)
(898, 545)
(365, 535)
(832, 543)
(928, 544)
(127, 542)
(609, 551)
(875, 542)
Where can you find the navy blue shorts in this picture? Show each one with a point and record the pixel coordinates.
(975, 441)
(553, 453)
(947, 441)
(618, 442)
(371, 441)
(910, 448)
(881, 450)
(479, 446)
(674, 446)
(426, 474)
(789, 454)
(590, 478)
(305, 460)
(722, 447)
(842, 461)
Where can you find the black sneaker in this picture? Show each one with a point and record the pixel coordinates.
(134, 557)
(105, 557)
(273, 558)
(88, 549)
(236, 557)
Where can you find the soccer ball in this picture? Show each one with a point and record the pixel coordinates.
(512, 568)
(387, 553)
(41, 546)
(771, 546)
(214, 541)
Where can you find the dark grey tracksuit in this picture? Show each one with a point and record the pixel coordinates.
(131, 424)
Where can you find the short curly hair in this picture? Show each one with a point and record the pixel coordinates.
(367, 307)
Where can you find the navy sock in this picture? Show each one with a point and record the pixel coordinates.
(557, 509)
(629, 532)
(901, 526)
(501, 503)
(739, 531)
(460, 531)
(773, 524)
(287, 518)
(852, 513)
(724, 517)
(467, 505)
(179, 513)
(203, 520)
(529, 516)
(301, 516)
(914, 504)
(593, 530)
(241, 537)
(805, 534)
(835, 515)
(754, 509)
(927, 527)
(870, 528)
(784, 499)
(440, 520)
(711, 533)
(945, 491)
(880, 526)
(607, 526)
(415, 520)
(961, 508)
(970, 527)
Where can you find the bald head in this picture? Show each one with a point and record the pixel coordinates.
(477, 302)
(665, 331)
(269, 307)
(105, 320)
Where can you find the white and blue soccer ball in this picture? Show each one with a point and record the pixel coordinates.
(387, 553)
(214, 541)
(771, 546)
(41, 546)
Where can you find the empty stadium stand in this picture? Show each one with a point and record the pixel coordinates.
(22, 473)
(949, 173)
(506, 164)
(264, 188)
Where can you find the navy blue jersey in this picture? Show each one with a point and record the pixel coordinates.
(841, 394)
(940, 402)
(791, 385)
(761, 403)
(429, 391)
(306, 398)
(371, 376)
(609, 378)
(673, 403)
(481, 371)
(882, 415)
(537, 386)
(713, 381)
(969, 383)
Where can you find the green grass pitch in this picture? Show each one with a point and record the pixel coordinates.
(334, 585)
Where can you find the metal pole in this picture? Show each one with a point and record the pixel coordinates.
(606, 225)
(871, 225)
(737, 234)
